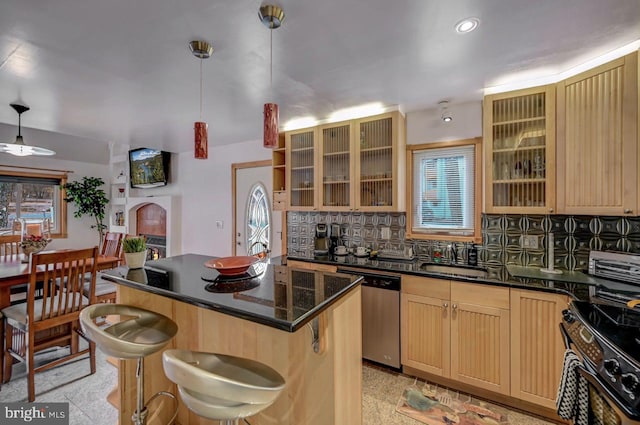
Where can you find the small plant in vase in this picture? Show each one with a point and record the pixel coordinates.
(135, 252)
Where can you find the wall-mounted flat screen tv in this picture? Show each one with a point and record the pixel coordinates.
(148, 167)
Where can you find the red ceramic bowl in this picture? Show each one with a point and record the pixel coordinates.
(231, 266)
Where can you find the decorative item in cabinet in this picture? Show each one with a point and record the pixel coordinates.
(519, 135)
(335, 166)
(301, 169)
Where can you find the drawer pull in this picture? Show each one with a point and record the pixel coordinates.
(445, 305)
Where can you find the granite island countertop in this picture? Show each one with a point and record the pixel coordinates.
(271, 294)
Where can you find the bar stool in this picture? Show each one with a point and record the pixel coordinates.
(139, 334)
(221, 387)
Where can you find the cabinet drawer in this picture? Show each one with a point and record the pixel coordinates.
(485, 295)
(279, 196)
(279, 205)
(426, 286)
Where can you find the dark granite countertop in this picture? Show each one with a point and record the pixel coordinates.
(278, 296)
(576, 284)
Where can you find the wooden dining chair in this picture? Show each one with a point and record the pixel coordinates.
(111, 247)
(53, 320)
(9, 245)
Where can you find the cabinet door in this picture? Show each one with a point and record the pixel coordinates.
(480, 346)
(537, 348)
(597, 140)
(379, 165)
(336, 165)
(301, 167)
(519, 134)
(425, 334)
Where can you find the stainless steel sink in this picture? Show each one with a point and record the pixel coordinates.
(453, 270)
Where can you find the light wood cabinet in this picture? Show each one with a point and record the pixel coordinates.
(279, 175)
(426, 324)
(301, 169)
(356, 165)
(456, 330)
(519, 135)
(537, 348)
(598, 140)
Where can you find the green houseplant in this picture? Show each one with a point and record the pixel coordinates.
(90, 200)
(135, 252)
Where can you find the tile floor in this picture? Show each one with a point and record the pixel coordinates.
(86, 394)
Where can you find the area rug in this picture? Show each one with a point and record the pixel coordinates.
(433, 405)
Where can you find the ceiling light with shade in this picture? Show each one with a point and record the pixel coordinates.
(272, 17)
(19, 148)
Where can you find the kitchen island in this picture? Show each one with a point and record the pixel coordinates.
(305, 324)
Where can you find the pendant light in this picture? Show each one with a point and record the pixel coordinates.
(272, 17)
(18, 148)
(202, 50)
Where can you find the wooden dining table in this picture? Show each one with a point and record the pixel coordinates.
(14, 271)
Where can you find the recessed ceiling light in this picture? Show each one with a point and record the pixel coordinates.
(467, 25)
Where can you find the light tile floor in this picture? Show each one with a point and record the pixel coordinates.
(86, 394)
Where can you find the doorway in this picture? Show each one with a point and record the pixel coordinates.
(253, 216)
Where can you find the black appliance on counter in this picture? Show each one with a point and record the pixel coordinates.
(321, 243)
(334, 236)
(605, 333)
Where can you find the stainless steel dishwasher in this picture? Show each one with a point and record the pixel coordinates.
(380, 317)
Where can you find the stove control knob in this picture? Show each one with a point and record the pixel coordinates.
(612, 366)
(630, 383)
(568, 316)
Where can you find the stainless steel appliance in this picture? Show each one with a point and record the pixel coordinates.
(380, 317)
(321, 242)
(605, 333)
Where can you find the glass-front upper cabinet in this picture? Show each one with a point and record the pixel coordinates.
(336, 163)
(360, 163)
(302, 169)
(519, 138)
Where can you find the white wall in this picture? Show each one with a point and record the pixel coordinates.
(205, 189)
(80, 234)
(426, 126)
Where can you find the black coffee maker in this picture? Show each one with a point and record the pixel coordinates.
(334, 236)
(321, 243)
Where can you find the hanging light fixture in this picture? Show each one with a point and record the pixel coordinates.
(272, 17)
(18, 148)
(202, 50)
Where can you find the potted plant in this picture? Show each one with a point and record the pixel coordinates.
(90, 200)
(135, 252)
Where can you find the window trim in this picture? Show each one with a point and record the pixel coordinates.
(477, 220)
(63, 177)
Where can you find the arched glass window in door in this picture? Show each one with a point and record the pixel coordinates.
(258, 219)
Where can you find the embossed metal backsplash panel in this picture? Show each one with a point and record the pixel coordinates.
(574, 237)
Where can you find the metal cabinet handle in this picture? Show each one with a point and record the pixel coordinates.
(627, 211)
(445, 305)
(454, 307)
(550, 210)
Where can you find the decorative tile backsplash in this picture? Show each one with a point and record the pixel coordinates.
(574, 237)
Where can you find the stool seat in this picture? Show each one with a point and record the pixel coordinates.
(140, 332)
(222, 387)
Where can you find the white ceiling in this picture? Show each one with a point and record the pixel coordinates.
(121, 70)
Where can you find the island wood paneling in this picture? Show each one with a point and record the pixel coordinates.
(321, 388)
(537, 348)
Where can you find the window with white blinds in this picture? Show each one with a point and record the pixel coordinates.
(444, 190)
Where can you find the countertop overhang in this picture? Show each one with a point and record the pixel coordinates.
(279, 296)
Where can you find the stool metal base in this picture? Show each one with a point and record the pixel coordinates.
(139, 416)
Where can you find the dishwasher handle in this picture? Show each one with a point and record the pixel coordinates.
(381, 281)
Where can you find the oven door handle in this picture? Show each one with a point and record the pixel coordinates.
(608, 394)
